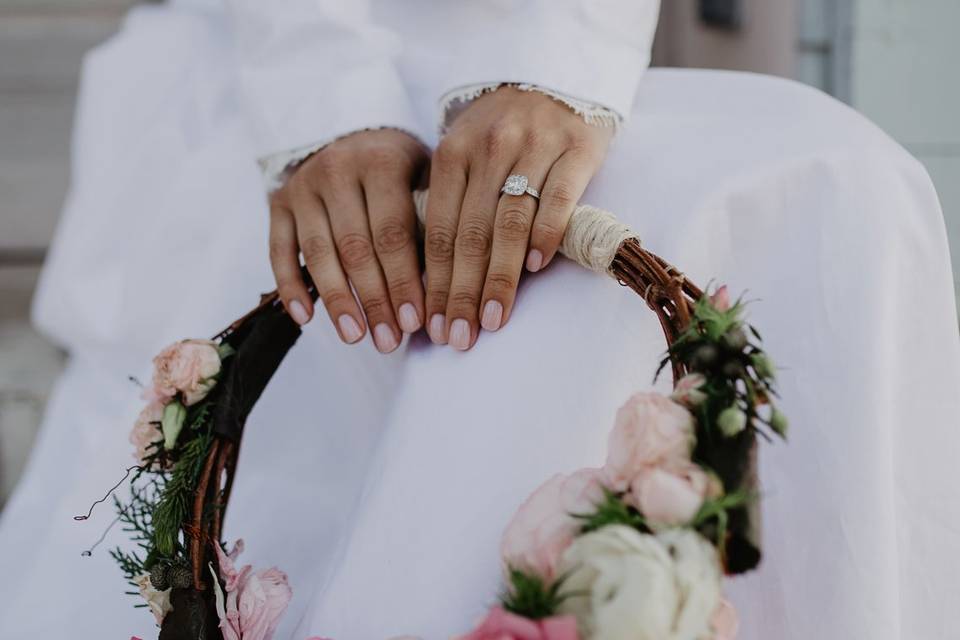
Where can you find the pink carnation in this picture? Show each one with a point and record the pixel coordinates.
(543, 526)
(187, 367)
(650, 430)
(146, 431)
(502, 625)
(254, 601)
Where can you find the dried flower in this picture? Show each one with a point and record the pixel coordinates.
(158, 601)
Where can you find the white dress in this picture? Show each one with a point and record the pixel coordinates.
(381, 484)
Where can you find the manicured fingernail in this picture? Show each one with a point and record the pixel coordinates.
(409, 319)
(298, 312)
(492, 314)
(438, 322)
(349, 328)
(460, 334)
(384, 338)
(534, 260)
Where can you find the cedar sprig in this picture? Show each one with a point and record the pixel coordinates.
(174, 505)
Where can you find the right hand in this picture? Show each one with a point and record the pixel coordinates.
(349, 210)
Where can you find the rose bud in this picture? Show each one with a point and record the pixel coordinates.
(731, 421)
(779, 422)
(762, 365)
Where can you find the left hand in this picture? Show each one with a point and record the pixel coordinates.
(477, 239)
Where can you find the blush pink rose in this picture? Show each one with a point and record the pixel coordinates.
(671, 496)
(721, 299)
(725, 623)
(146, 431)
(650, 430)
(543, 526)
(187, 367)
(254, 601)
(503, 625)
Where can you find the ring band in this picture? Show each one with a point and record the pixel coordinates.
(517, 185)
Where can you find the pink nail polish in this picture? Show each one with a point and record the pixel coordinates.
(384, 339)
(298, 312)
(349, 328)
(534, 260)
(438, 325)
(492, 315)
(408, 317)
(460, 334)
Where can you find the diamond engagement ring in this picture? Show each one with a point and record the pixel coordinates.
(517, 185)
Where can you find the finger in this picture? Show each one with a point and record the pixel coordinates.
(285, 262)
(448, 182)
(472, 252)
(393, 225)
(565, 184)
(351, 233)
(511, 237)
(320, 257)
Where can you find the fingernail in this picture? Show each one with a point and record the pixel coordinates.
(492, 314)
(460, 334)
(298, 312)
(409, 319)
(384, 339)
(534, 260)
(349, 328)
(438, 322)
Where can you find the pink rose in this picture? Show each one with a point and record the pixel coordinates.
(721, 299)
(503, 625)
(650, 430)
(146, 432)
(187, 367)
(254, 601)
(671, 496)
(543, 526)
(725, 623)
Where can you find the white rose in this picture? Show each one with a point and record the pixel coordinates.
(159, 601)
(626, 585)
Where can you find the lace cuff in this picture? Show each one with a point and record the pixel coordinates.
(592, 113)
(278, 167)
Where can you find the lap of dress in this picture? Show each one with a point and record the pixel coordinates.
(382, 484)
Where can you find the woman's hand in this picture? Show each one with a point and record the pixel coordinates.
(478, 240)
(349, 210)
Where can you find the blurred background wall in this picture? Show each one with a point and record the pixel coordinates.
(894, 60)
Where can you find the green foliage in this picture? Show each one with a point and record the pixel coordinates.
(529, 596)
(713, 515)
(174, 505)
(613, 510)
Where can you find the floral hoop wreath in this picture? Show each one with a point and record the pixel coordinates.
(634, 549)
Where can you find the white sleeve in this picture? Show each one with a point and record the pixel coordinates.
(586, 52)
(314, 70)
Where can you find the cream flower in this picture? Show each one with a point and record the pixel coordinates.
(158, 601)
(626, 585)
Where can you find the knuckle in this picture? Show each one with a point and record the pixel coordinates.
(463, 300)
(400, 283)
(298, 188)
(501, 282)
(513, 221)
(501, 137)
(279, 251)
(560, 196)
(437, 299)
(451, 150)
(473, 240)
(316, 249)
(439, 243)
(384, 159)
(392, 237)
(375, 306)
(335, 298)
(354, 249)
(549, 232)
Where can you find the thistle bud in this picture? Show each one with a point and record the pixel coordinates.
(174, 415)
(735, 339)
(731, 421)
(158, 577)
(704, 357)
(779, 422)
(762, 365)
